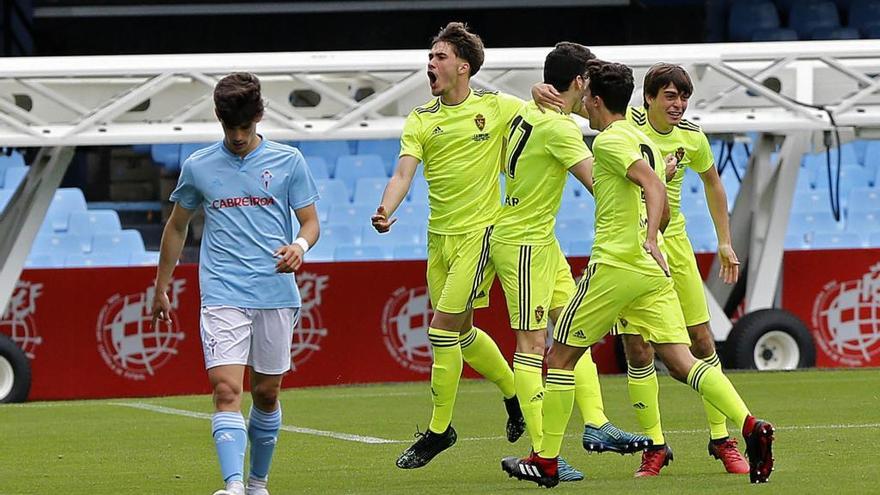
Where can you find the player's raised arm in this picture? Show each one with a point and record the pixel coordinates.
(173, 239)
(395, 192)
(656, 203)
(716, 199)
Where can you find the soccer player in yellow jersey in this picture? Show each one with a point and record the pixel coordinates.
(627, 274)
(543, 148)
(667, 88)
(459, 136)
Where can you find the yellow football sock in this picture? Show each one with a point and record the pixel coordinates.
(445, 374)
(482, 354)
(717, 389)
(527, 376)
(558, 402)
(587, 391)
(644, 391)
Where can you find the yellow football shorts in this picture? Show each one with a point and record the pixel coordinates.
(688, 285)
(455, 270)
(535, 279)
(606, 292)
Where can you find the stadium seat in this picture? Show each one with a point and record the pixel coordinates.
(850, 176)
(5, 196)
(399, 235)
(418, 190)
(388, 149)
(692, 182)
(93, 221)
(775, 34)
(794, 242)
(574, 188)
(863, 199)
(332, 191)
(810, 201)
(350, 168)
(66, 201)
(410, 252)
(835, 33)
(807, 16)
(350, 252)
(864, 13)
(704, 243)
(583, 208)
(568, 231)
(355, 214)
(14, 176)
(804, 223)
(318, 167)
(44, 260)
(166, 155)
(579, 247)
(747, 17)
(61, 243)
(863, 222)
(187, 149)
(127, 241)
(14, 159)
(412, 214)
(322, 250)
(369, 190)
(339, 234)
(836, 240)
(93, 260)
(694, 204)
(700, 224)
(147, 258)
(329, 150)
(874, 239)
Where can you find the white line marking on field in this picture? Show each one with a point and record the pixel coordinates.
(293, 429)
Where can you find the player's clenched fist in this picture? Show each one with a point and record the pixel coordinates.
(290, 258)
(380, 220)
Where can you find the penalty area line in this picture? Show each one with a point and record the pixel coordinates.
(292, 429)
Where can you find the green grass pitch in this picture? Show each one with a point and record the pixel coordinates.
(828, 431)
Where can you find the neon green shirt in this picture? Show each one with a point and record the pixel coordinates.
(689, 142)
(541, 148)
(461, 146)
(621, 216)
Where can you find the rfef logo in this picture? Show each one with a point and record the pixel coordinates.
(847, 318)
(310, 330)
(405, 322)
(17, 320)
(128, 343)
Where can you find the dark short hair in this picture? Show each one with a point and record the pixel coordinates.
(237, 99)
(612, 82)
(660, 75)
(566, 62)
(467, 45)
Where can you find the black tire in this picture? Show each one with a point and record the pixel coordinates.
(779, 338)
(14, 362)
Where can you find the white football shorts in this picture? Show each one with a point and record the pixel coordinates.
(259, 338)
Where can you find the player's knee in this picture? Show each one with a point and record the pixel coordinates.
(453, 322)
(265, 395)
(702, 341)
(226, 395)
(638, 352)
(531, 342)
(563, 357)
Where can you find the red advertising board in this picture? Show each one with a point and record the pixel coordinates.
(88, 332)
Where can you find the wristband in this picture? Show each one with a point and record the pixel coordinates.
(304, 244)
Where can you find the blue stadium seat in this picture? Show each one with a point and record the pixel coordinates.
(694, 204)
(388, 149)
(14, 176)
(747, 17)
(399, 235)
(835, 33)
(44, 260)
(836, 240)
(93, 221)
(329, 150)
(418, 190)
(692, 182)
(187, 149)
(333, 192)
(731, 187)
(66, 201)
(351, 252)
(804, 223)
(700, 224)
(863, 222)
(355, 214)
(775, 34)
(794, 242)
(412, 214)
(810, 201)
(574, 188)
(350, 168)
(166, 154)
(850, 176)
(14, 159)
(318, 167)
(323, 250)
(568, 231)
(339, 234)
(863, 13)
(410, 252)
(128, 241)
(61, 243)
(863, 199)
(871, 155)
(93, 260)
(369, 189)
(583, 208)
(147, 258)
(806, 16)
(5, 196)
(579, 247)
(703, 243)
(874, 239)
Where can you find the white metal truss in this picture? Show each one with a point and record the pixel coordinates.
(791, 92)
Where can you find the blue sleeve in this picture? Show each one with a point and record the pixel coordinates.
(302, 190)
(186, 194)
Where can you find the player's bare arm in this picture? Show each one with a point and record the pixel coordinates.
(716, 199)
(655, 202)
(546, 96)
(290, 257)
(173, 239)
(395, 192)
(583, 171)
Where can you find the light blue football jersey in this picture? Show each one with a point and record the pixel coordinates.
(248, 217)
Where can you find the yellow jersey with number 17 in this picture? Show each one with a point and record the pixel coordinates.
(621, 216)
(687, 142)
(541, 147)
(461, 146)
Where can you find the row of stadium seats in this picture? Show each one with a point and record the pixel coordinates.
(762, 20)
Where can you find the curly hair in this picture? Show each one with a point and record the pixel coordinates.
(237, 99)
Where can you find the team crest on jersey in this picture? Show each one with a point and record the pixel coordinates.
(539, 313)
(480, 121)
(679, 156)
(266, 177)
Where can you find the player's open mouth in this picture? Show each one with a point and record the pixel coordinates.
(432, 77)
(674, 115)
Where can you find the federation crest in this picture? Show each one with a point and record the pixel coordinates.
(405, 322)
(480, 121)
(310, 331)
(128, 343)
(17, 320)
(266, 177)
(846, 316)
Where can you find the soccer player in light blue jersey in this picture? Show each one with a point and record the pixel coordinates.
(249, 298)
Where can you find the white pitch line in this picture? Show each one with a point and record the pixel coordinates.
(293, 429)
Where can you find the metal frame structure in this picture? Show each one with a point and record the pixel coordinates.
(61, 102)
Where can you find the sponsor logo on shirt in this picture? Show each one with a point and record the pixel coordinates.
(242, 201)
(437, 131)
